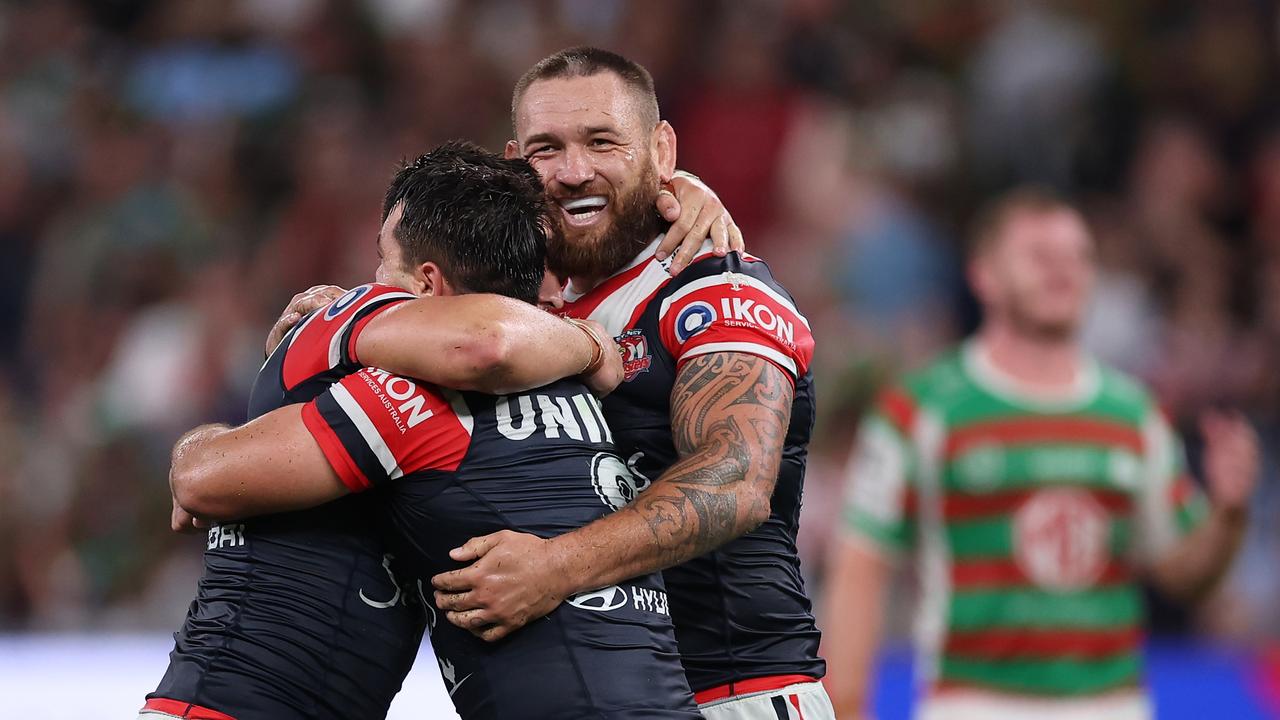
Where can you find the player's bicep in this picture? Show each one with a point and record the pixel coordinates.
(735, 407)
(271, 464)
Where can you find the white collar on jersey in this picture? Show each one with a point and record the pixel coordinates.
(1082, 391)
(571, 295)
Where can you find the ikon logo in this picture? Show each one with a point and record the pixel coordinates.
(603, 600)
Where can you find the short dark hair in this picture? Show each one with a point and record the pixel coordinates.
(483, 219)
(993, 217)
(584, 61)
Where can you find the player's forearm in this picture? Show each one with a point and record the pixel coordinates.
(190, 469)
(1195, 566)
(729, 415)
(476, 342)
(699, 504)
(852, 614)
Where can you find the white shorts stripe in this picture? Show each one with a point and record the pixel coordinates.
(368, 431)
(807, 700)
(763, 351)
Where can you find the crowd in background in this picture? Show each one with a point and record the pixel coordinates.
(172, 171)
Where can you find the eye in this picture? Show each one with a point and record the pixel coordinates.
(537, 151)
(602, 143)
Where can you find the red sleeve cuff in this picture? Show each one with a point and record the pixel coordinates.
(333, 450)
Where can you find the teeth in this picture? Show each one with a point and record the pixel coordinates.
(595, 202)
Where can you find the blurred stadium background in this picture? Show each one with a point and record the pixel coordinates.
(172, 171)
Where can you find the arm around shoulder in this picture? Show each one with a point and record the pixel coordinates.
(486, 343)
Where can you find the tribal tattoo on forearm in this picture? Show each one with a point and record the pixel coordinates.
(729, 417)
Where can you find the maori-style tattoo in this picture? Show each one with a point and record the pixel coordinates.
(729, 417)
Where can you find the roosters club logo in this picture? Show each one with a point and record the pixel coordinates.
(635, 354)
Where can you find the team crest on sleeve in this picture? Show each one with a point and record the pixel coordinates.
(636, 358)
(693, 319)
(341, 304)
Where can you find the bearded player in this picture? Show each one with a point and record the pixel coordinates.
(1035, 488)
(449, 465)
(714, 415)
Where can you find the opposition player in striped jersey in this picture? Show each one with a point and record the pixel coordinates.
(297, 614)
(714, 416)
(448, 465)
(1035, 488)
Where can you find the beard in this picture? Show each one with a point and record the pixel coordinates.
(634, 225)
(1059, 330)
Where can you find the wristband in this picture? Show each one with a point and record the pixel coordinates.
(597, 355)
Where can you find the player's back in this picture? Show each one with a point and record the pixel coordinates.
(454, 466)
(298, 615)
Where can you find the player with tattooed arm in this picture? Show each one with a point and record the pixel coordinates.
(713, 418)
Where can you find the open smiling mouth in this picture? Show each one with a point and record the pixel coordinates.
(584, 210)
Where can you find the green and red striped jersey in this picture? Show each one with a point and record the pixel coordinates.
(1028, 518)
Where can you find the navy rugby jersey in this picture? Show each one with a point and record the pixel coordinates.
(298, 615)
(740, 611)
(455, 465)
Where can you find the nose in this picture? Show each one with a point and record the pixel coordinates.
(550, 296)
(576, 168)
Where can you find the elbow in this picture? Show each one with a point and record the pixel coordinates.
(759, 486)
(759, 508)
(490, 350)
(191, 479)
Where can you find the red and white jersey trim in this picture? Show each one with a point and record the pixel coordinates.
(368, 431)
(757, 349)
(618, 310)
(735, 281)
(320, 344)
(335, 344)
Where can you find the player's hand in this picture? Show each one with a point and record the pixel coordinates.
(511, 581)
(1231, 461)
(696, 212)
(609, 375)
(304, 302)
(181, 521)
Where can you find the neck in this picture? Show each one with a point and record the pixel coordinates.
(1047, 363)
(583, 284)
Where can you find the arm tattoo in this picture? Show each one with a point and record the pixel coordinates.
(729, 417)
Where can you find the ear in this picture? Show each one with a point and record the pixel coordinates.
(429, 279)
(512, 150)
(664, 150)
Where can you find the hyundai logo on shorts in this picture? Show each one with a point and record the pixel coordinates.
(602, 600)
